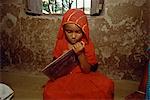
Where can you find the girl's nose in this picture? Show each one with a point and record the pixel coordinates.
(73, 35)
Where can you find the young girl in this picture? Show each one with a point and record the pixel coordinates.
(82, 82)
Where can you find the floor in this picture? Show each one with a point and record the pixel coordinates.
(29, 87)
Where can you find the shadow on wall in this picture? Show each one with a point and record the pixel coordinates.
(13, 51)
(125, 67)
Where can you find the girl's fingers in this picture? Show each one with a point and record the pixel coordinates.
(78, 47)
(83, 43)
(73, 47)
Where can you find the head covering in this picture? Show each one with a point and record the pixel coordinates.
(79, 18)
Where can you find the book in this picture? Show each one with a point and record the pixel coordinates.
(61, 66)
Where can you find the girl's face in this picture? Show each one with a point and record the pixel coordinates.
(73, 33)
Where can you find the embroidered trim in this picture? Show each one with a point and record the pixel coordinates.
(71, 16)
(84, 27)
(80, 18)
(140, 92)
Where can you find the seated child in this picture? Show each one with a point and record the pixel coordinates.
(83, 82)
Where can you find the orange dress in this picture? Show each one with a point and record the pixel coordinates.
(78, 85)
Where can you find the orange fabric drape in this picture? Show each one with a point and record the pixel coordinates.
(142, 86)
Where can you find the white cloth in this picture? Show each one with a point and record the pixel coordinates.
(6, 92)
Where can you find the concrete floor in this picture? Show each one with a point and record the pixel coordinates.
(29, 87)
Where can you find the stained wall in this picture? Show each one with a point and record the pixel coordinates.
(120, 37)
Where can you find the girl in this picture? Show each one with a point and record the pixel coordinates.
(82, 82)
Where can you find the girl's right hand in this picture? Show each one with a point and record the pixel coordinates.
(78, 47)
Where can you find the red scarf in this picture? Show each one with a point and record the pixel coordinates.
(79, 18)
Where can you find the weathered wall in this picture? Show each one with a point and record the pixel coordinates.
(120, 38)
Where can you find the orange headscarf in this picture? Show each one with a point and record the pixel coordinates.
(79, 18)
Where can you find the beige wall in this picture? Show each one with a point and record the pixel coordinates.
(120, 37)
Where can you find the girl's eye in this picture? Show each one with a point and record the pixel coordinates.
(68, 31)
(78, 32)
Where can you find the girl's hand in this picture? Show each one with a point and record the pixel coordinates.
(78, 47)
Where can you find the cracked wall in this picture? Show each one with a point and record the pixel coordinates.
(120, 37)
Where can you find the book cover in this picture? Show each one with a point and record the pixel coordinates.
(61, 66)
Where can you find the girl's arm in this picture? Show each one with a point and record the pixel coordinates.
(85, 66)
(78, 48)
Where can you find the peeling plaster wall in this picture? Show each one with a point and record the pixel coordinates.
(26, 41)
(120, 38)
